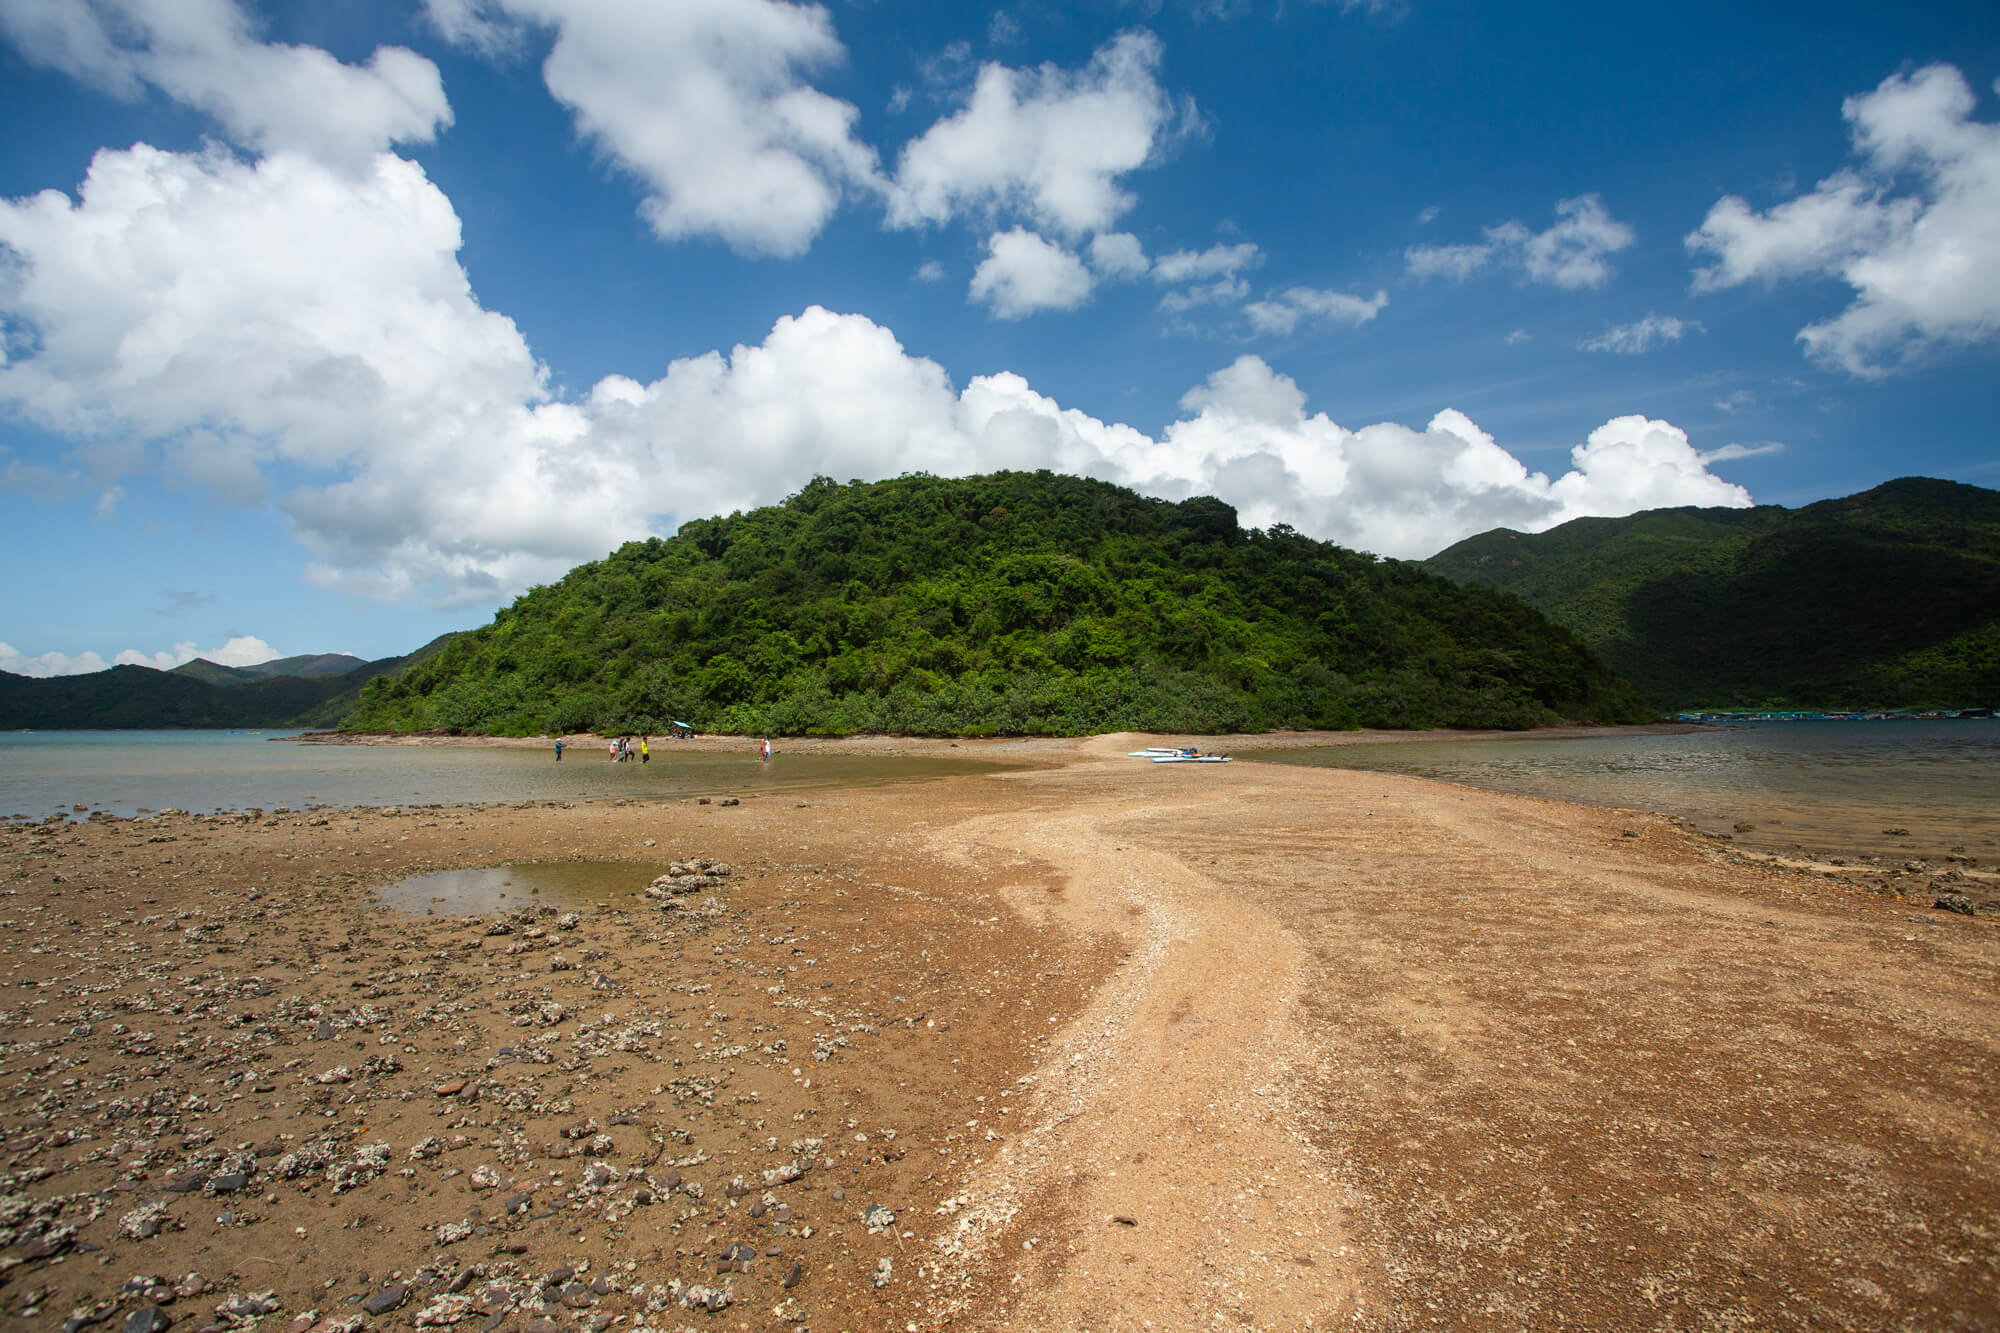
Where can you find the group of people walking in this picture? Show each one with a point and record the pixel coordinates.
(623, 751)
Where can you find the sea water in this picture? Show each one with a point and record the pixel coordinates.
(1844, 786)
(136, 772)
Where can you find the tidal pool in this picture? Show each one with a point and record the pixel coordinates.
(567, 885)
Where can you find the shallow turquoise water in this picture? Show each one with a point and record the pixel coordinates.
(132, 772)
(1833, 785)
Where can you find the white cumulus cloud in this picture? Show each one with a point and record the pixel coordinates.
(706, 103)
(1118, 255)
(1570, 254)
(1399, 491)
(239, 651)
(1023, 273)
(1457, 262)
(282, 324)
(1641, 335)
(1205, 277)
(1218, 261)
(1048, 145)
(1283, 312)
(1910, 228)
(267, 96)
(18, 663)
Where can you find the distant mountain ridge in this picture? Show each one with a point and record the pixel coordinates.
(305, 691)
(308, 666)
(1885, 599)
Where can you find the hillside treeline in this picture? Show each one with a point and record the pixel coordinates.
(1014, 603)
(1885, 599)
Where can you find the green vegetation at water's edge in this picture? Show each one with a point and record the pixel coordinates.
(1015, 603)
(1886, 599)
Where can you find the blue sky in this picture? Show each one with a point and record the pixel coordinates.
(332, 327)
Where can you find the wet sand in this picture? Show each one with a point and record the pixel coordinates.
(1081, 1044)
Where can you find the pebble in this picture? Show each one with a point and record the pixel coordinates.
(385, 1300)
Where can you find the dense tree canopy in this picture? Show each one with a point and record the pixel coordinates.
(1016, 603)
(1886, 599)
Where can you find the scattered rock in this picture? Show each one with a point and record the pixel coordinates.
(385, 1300)
(699, 1297)
(145, 1222)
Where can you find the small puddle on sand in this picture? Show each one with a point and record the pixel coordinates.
(487, 889)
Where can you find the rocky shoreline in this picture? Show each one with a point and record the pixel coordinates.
(1042, 1048)
(240, 1092)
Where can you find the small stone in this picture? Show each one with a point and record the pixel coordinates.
(1954, 902)
(82, 1318)
(385, 1300)
(148, 1319)
(50, 1245)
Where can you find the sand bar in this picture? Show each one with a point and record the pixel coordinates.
(1081, 1044)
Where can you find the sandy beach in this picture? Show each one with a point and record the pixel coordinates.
(1078, 1044)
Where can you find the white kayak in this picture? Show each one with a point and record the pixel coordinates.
(1191, 759)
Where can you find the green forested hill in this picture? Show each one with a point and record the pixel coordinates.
(1012, 603)
(136, 697)
(126, 697)
(1886, 599)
